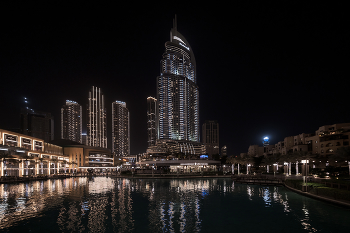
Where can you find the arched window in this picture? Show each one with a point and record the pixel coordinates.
(329, 144)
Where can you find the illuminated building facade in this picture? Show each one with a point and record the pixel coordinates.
(177, 91)
(210, 137)
(96, 122)
(37, 124)
(24, 155)
(120, 129)
(71, 121)
(152, 120)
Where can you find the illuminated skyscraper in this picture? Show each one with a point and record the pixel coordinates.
(177, 91)
(152, 120)
(71, 121)
(96, 122)
(120, 129)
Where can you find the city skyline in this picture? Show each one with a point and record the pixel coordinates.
(263, 69)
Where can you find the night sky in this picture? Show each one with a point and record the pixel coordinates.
(263, 69)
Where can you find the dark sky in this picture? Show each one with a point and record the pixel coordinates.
(263, 69)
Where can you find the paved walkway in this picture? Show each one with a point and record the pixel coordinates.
(336, 202)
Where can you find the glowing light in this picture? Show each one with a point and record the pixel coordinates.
(179, 39)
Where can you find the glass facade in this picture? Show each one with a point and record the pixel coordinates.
(177, 91)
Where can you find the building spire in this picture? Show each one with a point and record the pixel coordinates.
(175, 23)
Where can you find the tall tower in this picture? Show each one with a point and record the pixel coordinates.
(71, 121)
(210, 137)
(120, 129)
(96, 122)
(152, 120)
(177, 91)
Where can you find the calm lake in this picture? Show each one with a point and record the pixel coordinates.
(104, 204)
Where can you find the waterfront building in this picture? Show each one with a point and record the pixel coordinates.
(120, 129)
(320, 145)
(210, 137)
(37, 124)
(178, 98)
(152, 120)
(84, 158)
(96, 119)
(71, 121)
(172, 148)
(23, 155)
(181, 166)
(177, 91)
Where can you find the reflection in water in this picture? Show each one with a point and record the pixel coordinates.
(145, 205)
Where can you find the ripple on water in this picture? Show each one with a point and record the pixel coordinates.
(145, 205)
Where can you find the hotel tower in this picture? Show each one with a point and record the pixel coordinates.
(96, 119)
(177, 91)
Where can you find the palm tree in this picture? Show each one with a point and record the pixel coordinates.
(270, 160)
(248, 161)
(287, 159)
(233, 160)
(299, 156)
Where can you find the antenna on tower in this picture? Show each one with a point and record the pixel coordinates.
(175, 23)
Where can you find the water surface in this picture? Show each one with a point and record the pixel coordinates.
(162, 205)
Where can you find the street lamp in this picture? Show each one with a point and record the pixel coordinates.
(274, 169)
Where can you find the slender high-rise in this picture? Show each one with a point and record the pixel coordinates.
(177, 91)
(96, 119)
(152, 120)
(71, 121)
(120, 129)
